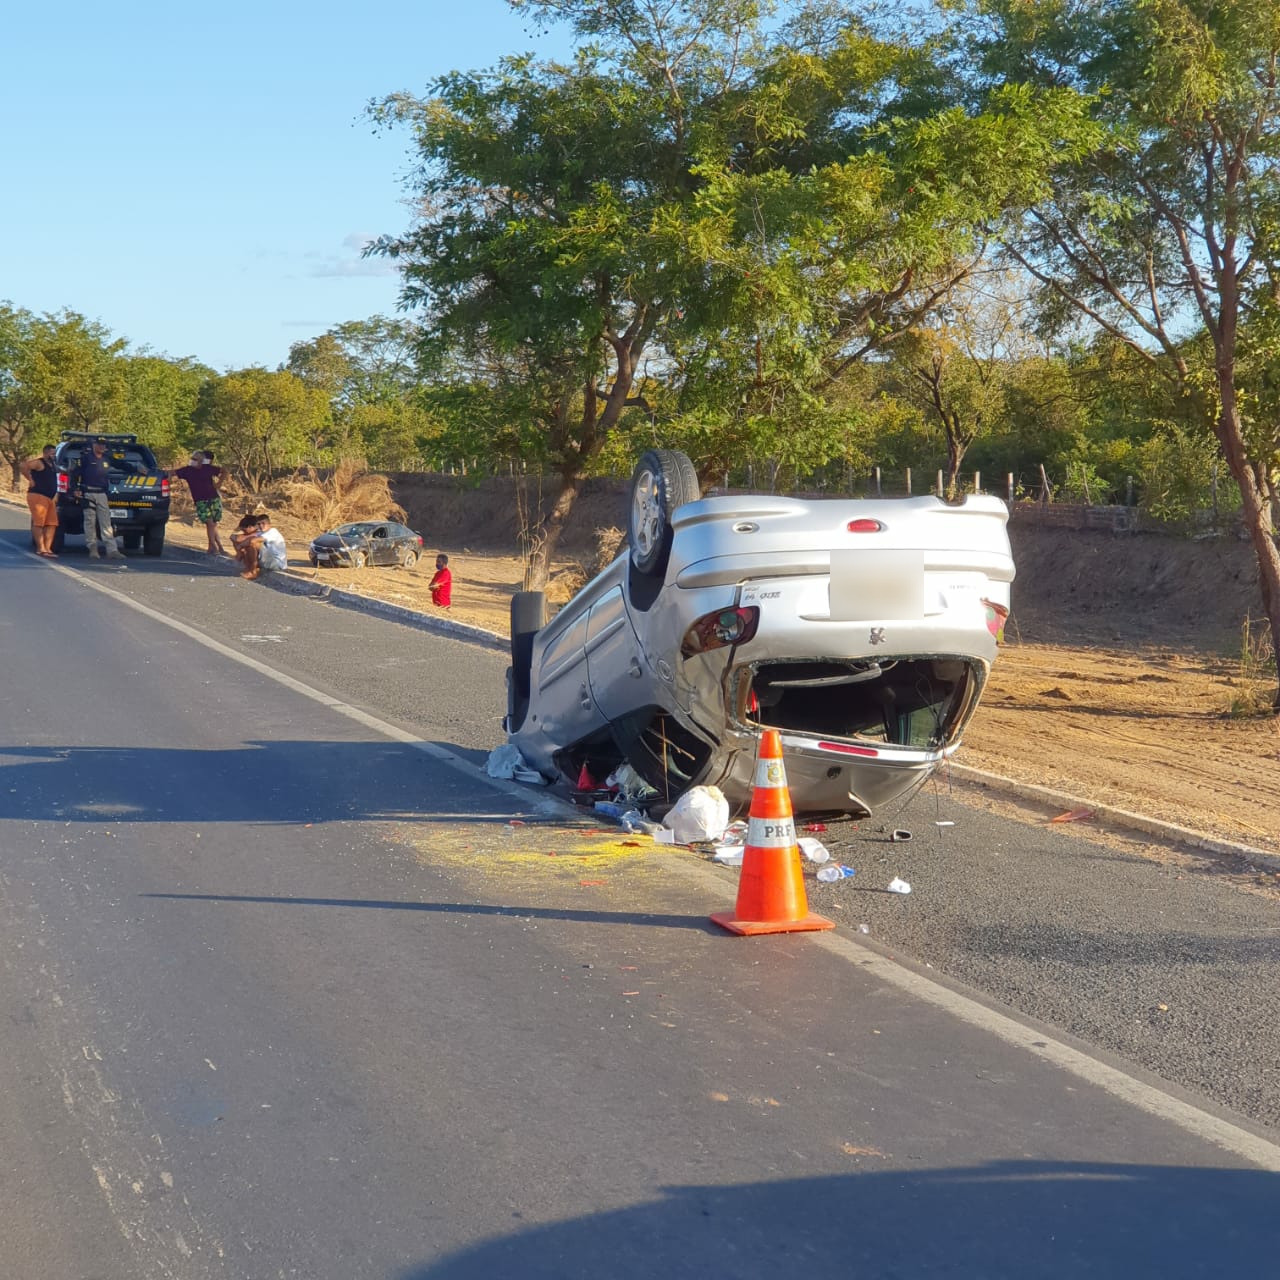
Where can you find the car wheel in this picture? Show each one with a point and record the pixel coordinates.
(315, 561)
(663, 481)
(359, 560)
(528, 617)
(59, 538)
(132, 541)
(410, 559)
(153, 540)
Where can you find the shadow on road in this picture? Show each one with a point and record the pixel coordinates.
(1003, 1221)
(699, 923)
(277, 781)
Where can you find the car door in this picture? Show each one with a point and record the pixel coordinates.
(381, 549)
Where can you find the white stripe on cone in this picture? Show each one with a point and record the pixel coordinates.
(771, 833)
(770, 775)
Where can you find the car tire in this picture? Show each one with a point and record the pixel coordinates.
(153, 540)
(410, 559)
(132, 541)
(528, 617)
(359, 560)
(663, 481)
(59, 539)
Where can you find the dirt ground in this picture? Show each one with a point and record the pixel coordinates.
(1115, 683)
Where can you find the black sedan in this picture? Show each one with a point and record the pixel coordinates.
(353, 546)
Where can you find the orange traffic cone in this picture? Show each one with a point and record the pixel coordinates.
(771, 896)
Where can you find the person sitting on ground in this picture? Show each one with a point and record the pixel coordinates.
(264, 549)
(42, 497)
(441, 584)
(246, 532)
(201, 478)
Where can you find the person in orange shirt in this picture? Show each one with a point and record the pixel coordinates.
(42, 497)
(442, 583)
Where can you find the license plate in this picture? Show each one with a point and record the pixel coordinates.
(120, 513)
(875, 585)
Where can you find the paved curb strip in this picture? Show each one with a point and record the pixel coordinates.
(1116, 817)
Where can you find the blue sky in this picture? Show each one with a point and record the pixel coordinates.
(200, 178)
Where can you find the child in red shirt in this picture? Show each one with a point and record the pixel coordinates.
(442, 584)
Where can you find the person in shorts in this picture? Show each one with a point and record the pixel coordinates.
(200, 476)
(42, 497)
(263, 549)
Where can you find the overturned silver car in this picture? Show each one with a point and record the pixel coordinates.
(862, 629)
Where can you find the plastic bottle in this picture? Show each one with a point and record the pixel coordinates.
(834, 871)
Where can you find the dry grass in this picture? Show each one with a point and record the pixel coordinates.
(350, 492)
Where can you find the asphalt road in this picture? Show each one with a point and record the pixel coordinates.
(285, 994)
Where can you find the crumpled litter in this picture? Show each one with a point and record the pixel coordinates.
(504, 761)
(701, 813)
(630, 785)
(899, 886)
(813, 850)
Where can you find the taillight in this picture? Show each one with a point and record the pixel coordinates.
(865, 526)
(997, 616)
(64, 482)
(715, 630)
(164, 486)
(420, 541)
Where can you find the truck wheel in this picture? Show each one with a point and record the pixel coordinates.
(663, 481)
(528, 617)
(132, 541)
(59, 539)
(153, 540)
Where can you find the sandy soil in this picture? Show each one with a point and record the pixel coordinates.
(1114, 704)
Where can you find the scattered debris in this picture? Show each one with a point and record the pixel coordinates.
(899, 836)
(701, 813)
(813, 850)
(944, 823)
(1074, 815)
(899, 886)
(835, 871)
(504, 761)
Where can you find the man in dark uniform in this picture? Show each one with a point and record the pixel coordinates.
(89, 483)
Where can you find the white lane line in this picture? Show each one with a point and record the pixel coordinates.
(542, 804)
(1200, 1124)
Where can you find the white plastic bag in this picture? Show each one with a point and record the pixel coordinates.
(702, 813)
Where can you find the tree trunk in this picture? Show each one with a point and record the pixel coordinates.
(552, 528)
(1256, 510)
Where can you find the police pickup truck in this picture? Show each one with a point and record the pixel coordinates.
(138, 491)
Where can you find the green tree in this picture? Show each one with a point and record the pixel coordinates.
(699, 190)
(260, 422)
(75, 373)
(18, 409)
(368, 371)
(1172, 223)
(160, 399)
